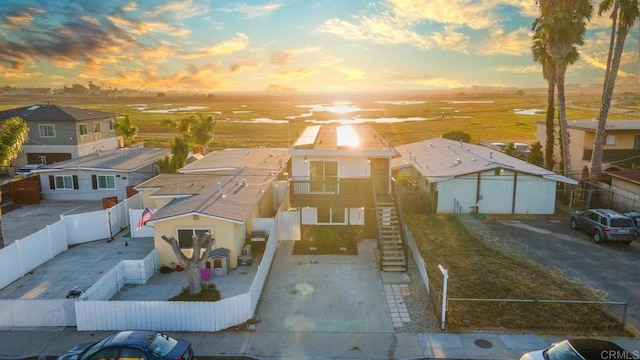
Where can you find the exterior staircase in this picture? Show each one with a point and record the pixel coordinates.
(393, 257)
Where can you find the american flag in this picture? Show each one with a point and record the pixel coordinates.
(146, 216)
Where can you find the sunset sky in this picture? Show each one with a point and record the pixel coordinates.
(283, 45)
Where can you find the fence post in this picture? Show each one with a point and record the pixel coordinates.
(445, 278)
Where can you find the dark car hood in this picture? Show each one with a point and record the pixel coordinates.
(74, 352)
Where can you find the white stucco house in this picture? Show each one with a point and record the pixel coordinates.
(472, 178)
(99, 175)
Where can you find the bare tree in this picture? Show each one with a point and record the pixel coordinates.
(193, 265)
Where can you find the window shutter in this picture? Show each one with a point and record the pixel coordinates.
(75, 182)
(52, 183)
(94, 181)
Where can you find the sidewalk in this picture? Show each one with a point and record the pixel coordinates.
(45, 344)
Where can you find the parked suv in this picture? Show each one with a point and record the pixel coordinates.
(635, 215)
(605, 225)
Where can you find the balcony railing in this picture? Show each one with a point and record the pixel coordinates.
(339, 192)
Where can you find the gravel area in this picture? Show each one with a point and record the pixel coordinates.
(423, 316)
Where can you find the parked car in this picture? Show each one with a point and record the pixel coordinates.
(580, 349)
(635, 215)
(522, 148)
(26, 170)
(605, 225)
(136, 344)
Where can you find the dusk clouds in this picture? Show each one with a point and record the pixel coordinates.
(286, 44)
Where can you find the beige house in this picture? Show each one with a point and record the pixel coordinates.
(220, 196)
(622, 142)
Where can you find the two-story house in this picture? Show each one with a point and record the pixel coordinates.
(334, 172)
(58, 133)
(622, 142)
(341, 176)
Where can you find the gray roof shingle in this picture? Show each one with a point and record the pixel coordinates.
(47, 112)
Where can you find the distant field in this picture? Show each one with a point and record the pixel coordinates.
(251, 120)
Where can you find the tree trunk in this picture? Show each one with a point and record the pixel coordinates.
(614, 16)
(198, 258)
(598, 143)
(194, 278)
(549, 147)
(562, 115)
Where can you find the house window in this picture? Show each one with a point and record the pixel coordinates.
(185, 237)
(610, 140)
(83, 129)
(96, 127)
(111, 124)
(636, 142)
(48, 130)
(64, 182)
(106, 182)
(324, 176)
(331, 215)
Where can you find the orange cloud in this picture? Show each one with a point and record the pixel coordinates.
(300, 73)
(233, 45)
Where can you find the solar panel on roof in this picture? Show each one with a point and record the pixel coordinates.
(31, 108)
(308, 137)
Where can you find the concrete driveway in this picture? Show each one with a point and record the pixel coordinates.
(612, 268)
(324, 293)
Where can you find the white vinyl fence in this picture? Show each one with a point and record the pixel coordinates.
(177, 315)
(92, 311)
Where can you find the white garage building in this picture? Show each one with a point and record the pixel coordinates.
(468, 178)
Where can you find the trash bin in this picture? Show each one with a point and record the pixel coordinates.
(205, 274)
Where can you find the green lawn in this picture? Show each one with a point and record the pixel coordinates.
(485, 116)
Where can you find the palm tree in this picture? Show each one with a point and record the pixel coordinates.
(179, 151)
(562, 26)
(540, 55)
(623, 15)
(197, 129)
(126, 129)
(14, 132)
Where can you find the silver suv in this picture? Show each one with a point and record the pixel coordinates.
(605, 225)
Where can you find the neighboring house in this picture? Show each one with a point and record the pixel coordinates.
(58, 133)
(622, 142)
(334, 170)
(625, 190)
(473, 178)
(99, 175)
(221, 193)
(275, 160)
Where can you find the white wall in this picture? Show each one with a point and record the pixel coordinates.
(462, 189)
(85, 189)
(534, 194)
(348, 166)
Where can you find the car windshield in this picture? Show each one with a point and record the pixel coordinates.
(622, 222)
(561, 351)
(162, 344)
(92, 349)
